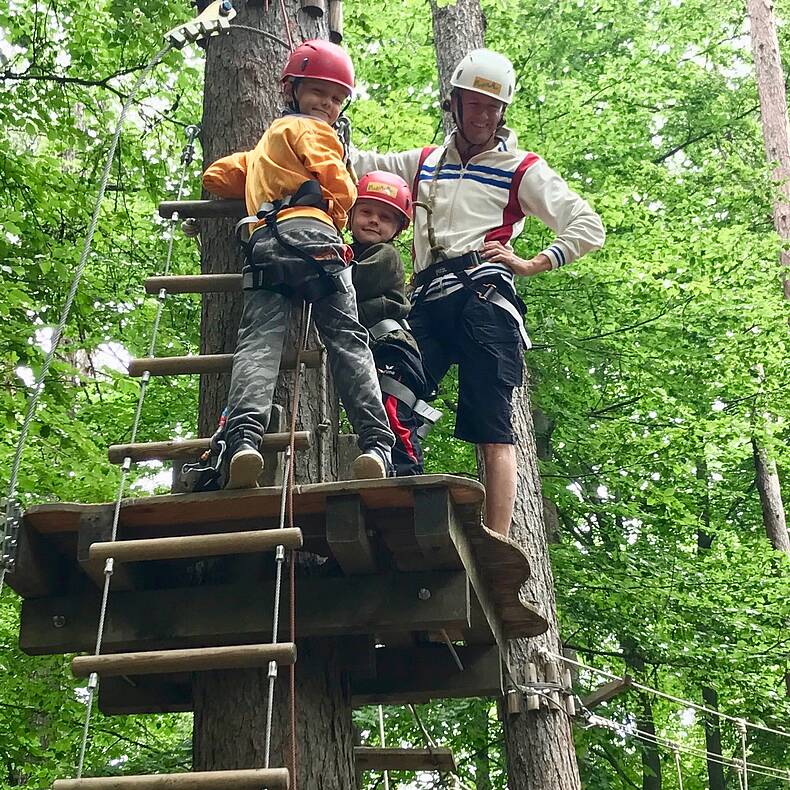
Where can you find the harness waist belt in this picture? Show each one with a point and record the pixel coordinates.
(253, 277)
(486, 292)
(469, 260)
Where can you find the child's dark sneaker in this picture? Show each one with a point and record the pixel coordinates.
(246, 465)
(373, 464)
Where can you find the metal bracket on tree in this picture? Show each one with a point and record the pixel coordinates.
(10, 519)
(212, 22)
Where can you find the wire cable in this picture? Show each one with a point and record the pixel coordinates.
(671, 698)
(57, 336)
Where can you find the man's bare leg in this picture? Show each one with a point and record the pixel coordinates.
(500, 461)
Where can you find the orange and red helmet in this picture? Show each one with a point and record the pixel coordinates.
(387, 188)
(321, 60)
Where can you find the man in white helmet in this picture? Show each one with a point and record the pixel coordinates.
(480, 188)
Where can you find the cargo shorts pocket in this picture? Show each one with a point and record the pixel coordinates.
(503, 346)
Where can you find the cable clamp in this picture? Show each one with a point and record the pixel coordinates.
(127, 464)
(280, 554)
(272, 669)
(93, 681)
(108, 566)
(10, 521)
(214, 21)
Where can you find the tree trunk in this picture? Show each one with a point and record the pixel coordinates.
(771, 499)
(540, 750)
(773, 113)
(716, 780)
(710, 697)
(651, 758)
(242, 95)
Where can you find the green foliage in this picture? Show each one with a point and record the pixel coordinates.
(656, 361)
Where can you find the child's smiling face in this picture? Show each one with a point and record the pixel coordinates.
(374, 222)
(321, 99)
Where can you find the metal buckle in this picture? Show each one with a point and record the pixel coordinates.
(489, 290)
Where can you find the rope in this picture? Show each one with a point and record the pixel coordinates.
(263, 33)
(657, 740)
(287, 513)
(676, 753)
(383, 745)
(57, 336)
(742, 730)
(287, 26)
(671, 698)
(93, 682)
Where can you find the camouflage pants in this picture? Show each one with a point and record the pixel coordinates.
(256, 361)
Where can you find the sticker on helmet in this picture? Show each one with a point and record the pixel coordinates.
(487, 85)
(385, 189)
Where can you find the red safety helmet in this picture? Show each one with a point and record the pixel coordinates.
(387, 188)
(321, 60)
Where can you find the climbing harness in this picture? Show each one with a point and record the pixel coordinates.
(459, 265)
(268, 276)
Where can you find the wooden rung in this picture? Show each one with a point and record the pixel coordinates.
(194, 284)
(191, 448)
(249, 779)
(197, 659)
(208, 363)
(181, 547)
(202, 209)
(374, 759)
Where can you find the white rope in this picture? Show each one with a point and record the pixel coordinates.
(383, 745)
(57, 335)
(742, 730)
(671, 698)
(93, 682)
(676, 753)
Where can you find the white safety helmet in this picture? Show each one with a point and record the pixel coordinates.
(487, 72)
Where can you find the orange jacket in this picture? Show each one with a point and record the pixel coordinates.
(294, 149)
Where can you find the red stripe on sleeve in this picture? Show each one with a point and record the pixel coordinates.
(512, 213)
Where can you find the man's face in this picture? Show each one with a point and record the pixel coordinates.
(321, 99)
(374, 222)
(481, 115)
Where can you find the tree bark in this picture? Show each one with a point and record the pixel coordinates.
(242, 95)
(540, 750)
(767, 480)
(773, 113)
(710, 697)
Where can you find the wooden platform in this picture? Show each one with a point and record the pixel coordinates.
(404, 562)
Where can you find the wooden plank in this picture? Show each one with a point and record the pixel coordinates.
(192, 448)
(233, 614)
(606, 692)
(37, 570)
(407, 675)
(420, 674)
(196, 659)
(194, 284)
(187, 546)
(96, 527)
(347, 535)
(432, 519)
(202, 209)
(438, 504)
(248, 779)
(208, 363)
(369, 758)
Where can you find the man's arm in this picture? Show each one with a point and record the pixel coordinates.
(403, 164)
(546, 195)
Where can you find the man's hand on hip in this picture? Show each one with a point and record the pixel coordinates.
(496, 252)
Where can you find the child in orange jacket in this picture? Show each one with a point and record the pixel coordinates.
(298, 189)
